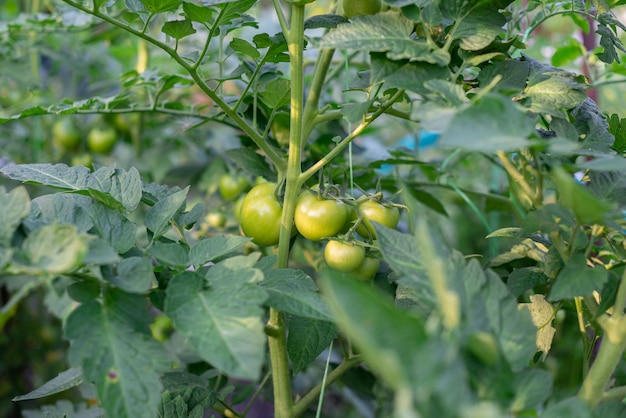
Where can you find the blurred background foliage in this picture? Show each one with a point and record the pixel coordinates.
(53, 63)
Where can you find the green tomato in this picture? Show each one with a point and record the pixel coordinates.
(215, 219)
(343, 256)
(374, 211)
(65, 134)
(232, 186)
(237, 207)
(317, 218)
(101, 139)
(368, 268)
(86, 160)
(353, 8)
(260, 215)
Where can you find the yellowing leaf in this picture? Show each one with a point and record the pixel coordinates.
(542, 314)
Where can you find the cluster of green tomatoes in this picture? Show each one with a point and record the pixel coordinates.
(321, 214)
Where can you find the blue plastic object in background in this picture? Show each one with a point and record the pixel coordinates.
(427, 139)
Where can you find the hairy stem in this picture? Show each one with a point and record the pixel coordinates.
(611, 349)
(348, 139)
(281, 376)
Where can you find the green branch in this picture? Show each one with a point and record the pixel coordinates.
(241, 123)
(611, 350)
(301, 405)
(348, 139)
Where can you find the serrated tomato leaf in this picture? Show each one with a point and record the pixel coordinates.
(111, 342)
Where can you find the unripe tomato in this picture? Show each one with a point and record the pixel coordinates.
(317, 218)
(101, 139)
(353, 8)
(86, 160)
(368, 268)
(232, 186)
(215, 219)
(237, 207)
(65, 134)
(260, 215)
(374, 211)
(343, 256)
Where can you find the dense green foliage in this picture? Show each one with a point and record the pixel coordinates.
(151, 174)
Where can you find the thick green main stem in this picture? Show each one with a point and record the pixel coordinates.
(612, 347)
(277, 340)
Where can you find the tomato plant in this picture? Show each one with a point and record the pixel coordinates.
(368, 268)
(65, 134)
(260, 214)
(317, 218)
(344, 256)
(232, 186)
(353, 8)
(371, 210)
(501, 293)
(101, 140)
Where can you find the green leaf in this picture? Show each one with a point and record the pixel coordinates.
(64, 381)
(189, 218)
(491, 123)
(355, 112)
(133, 274)
(112, 343)
(244, 47)
(159, 216)
(570, 408)
(15, 206)
(113, 227)
(277, 94)
(115, 188)
(307, 339)
(551, 90)
(489, 306)
(610, 44)
(178, 29)
(568, 53)
(577, 279)
(513, 75)
(64, 409)
(387, 32)
(210, 249)
(84, 290)
(54, 249)
(185, 392)
(230, 10)
(223, 321)
(160, 6)
(197, 13)
(428, 200)
(54, 175)
(617, 127)
(532, 387)
(172, 254)
(590, 122)
(293, 292)
(251, 162)
(327, 21)
(365, 316)
(59, 208)
(587, 208)
(478, 27)
(522, 279)
(123, 186)
(402, 253)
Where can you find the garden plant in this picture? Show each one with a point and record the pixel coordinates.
(206, 204)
